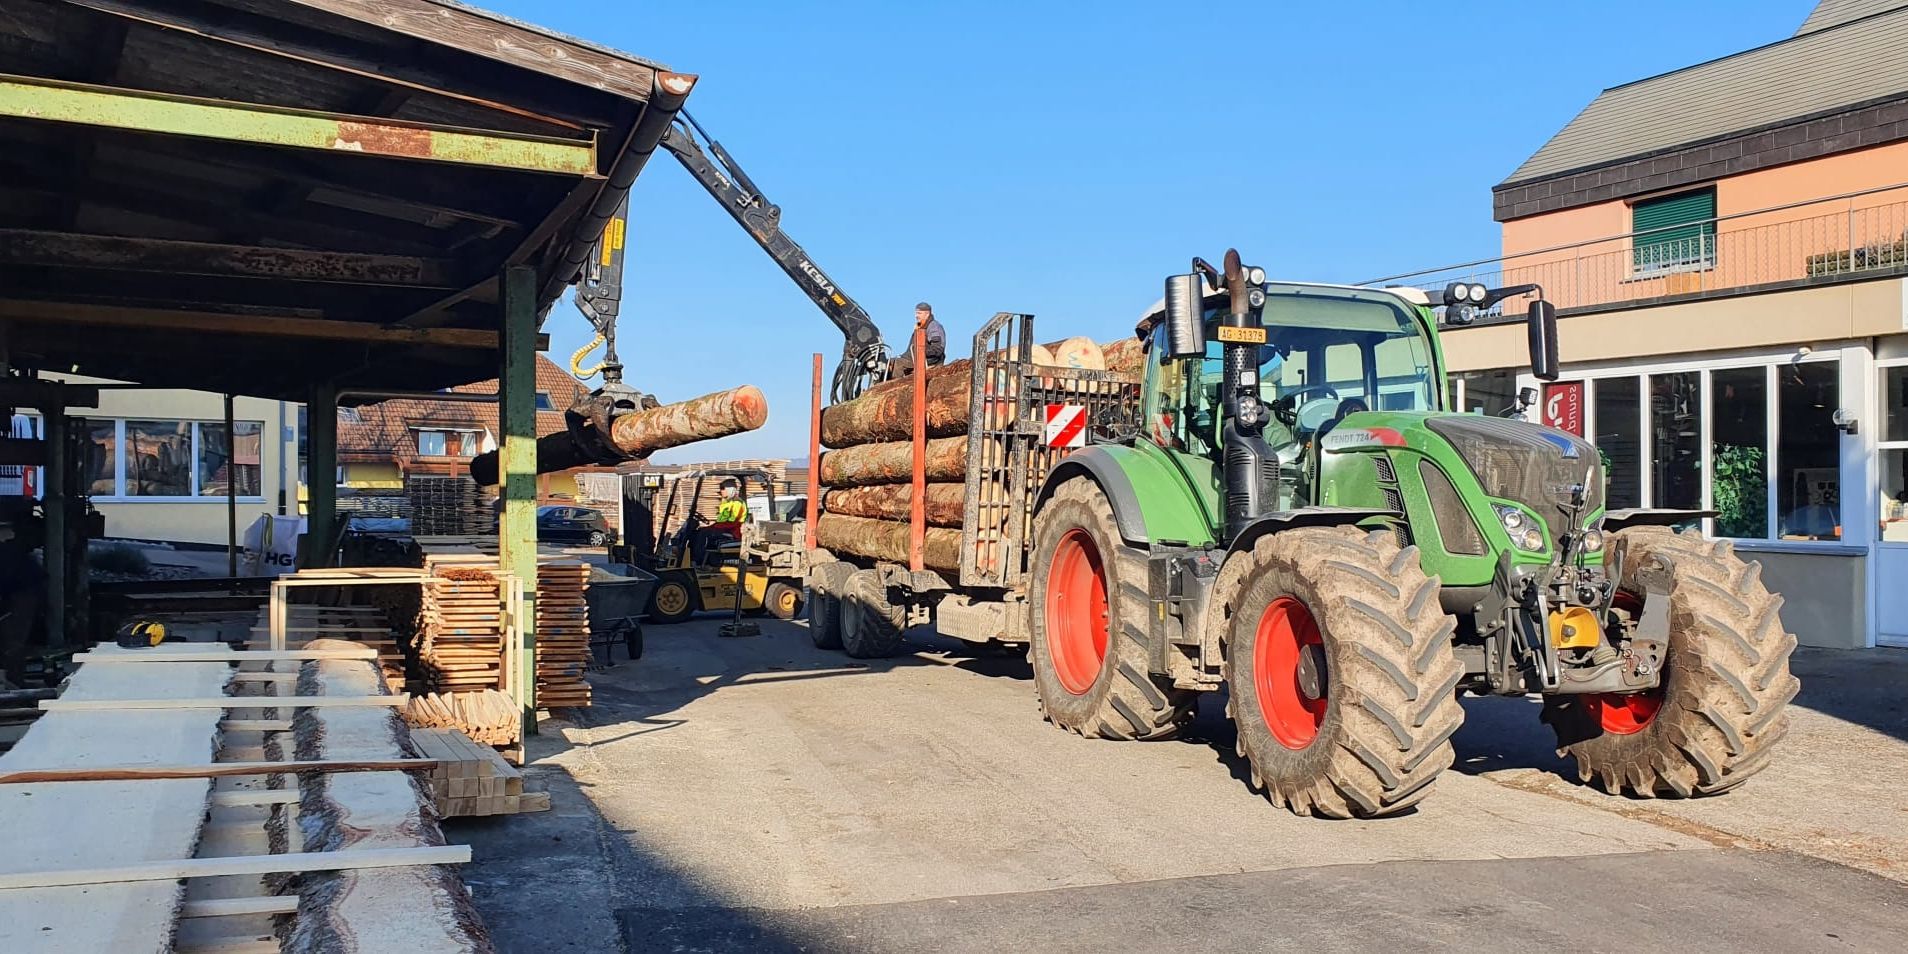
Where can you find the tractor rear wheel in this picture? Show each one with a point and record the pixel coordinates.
(1088, 606)
(871, 626)
(826, 584)
(1723, 702)
(1341, 675)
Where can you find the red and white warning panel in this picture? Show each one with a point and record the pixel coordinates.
(1066, 425)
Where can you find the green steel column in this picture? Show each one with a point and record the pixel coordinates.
(517, 465)
(321, 474)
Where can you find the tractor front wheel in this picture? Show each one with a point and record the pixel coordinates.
(1341, 673)
(1088, 603)
(1723, 702)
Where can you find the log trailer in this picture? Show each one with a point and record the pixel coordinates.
(1296, 516)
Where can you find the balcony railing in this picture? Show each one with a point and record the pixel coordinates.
(1834, 239)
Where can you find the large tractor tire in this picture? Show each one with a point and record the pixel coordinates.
(871, 626)
(826, 585)
(1088, 606)
(1723, 702)
(674, 598)
(1341, 674)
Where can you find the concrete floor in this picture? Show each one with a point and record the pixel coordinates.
(761, 795)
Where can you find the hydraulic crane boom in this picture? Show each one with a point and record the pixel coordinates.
(864, 355)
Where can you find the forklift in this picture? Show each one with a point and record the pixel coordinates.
(701, 565)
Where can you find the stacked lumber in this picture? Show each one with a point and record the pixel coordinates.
(461, 630)
(487, 716)
(563, 633)
(472, 779)
(867, 472)
(448, 505)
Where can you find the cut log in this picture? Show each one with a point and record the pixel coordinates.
(1126, 354)
(893, 462)
(886, 412)
(887, 540)
(943, 502)
(638, 434)
(1082, 353)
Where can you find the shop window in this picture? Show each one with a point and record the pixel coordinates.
(1676, 441)
(1808, 452)
(1618, 414)
(1738, 451)
(1893, 454)
(102, 458)
(158, 459)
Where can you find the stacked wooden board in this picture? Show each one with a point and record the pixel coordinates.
(461, 630)
(472, 779)
(563, 633)
(441, 505)
(487, 716)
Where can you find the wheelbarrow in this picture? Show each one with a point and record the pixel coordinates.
(617, 597)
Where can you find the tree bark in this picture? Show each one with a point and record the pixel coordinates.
(641, 433)
(1125, 354)
(893, 462)
(887, 540)
(944, 502)
(886, 411)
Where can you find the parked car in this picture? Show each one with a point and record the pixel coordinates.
(573, 525)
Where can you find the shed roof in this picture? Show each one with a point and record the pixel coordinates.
(1849, 52)
(255, 195)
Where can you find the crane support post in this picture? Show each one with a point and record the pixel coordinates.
(917, 502)
(814, 451)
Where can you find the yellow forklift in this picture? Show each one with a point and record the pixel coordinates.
(702, 564)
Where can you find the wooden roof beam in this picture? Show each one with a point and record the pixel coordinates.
(206, 322)
(85, 104)
(172, 256)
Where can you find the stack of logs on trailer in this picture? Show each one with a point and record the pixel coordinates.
(867, 471)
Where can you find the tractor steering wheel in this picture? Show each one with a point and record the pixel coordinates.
(1286, 406)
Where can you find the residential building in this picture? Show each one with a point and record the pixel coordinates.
(161, 460)
(1727, 245)
(380, 444)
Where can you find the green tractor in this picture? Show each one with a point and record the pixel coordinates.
(1299, 517)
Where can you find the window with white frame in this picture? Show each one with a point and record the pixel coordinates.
(145, 459)
(1752, 440)
(1892, 449)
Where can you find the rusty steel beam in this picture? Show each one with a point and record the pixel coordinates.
(176, 257)
(28, 97)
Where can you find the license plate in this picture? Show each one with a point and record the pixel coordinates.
(1238, 335)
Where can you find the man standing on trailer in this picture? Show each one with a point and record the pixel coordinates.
(936, 342)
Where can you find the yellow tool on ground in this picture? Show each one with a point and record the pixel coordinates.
(141, 634)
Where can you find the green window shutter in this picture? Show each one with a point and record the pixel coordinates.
(1680, 233)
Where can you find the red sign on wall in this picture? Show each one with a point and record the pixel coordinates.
(1563, 406)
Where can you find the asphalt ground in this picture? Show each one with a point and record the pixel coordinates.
(762, 795)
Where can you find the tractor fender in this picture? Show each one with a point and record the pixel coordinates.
(1302, 517)
(1100, 466)
(1638, 517)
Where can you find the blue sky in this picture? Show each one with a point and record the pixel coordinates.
(1062, 158)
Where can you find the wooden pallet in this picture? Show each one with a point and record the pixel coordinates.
(473, 779)
(563, 634)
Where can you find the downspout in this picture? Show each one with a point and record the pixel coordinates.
(667, 94)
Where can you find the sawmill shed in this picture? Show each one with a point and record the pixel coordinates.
(322, 201)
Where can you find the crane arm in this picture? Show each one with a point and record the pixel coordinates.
(864, 355)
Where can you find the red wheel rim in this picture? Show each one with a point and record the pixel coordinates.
(1621, 714)
(1076, 612)
(1285, 632)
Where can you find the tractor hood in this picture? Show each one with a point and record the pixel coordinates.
(1539, 467)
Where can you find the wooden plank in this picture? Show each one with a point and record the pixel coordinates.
(255, 796)
(224, 702)
(265, 326)
(256, 725)
(234, 907)
(346, 860)
(102, 773)
(246, 944)
(28, 247)
(241, 656)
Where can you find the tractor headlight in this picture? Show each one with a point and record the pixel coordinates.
(1524, 532)
(1593, 541)
(1532, 540)
(1477, 293)
(1513, 518)
(1256, 298)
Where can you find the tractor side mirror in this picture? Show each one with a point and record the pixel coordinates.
(1542, 322)
(1185, 325)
